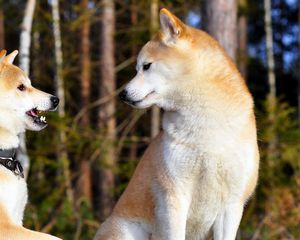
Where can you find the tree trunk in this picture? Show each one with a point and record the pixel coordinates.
(242, 39)
(220, 21)
(59, 82)
(155, 111)
(107, 121)
(84, 187)
(271, 99)
(134, 52)
(2, 32)
(24, 62)
(269, 46)
(58, 58)
(85, 76)
(36, 46)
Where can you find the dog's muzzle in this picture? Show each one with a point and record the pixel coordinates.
(123, 96)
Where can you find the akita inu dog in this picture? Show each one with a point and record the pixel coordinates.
(196, 176)
(20, 105)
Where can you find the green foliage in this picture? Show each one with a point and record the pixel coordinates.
(274, 212)
(49, 208)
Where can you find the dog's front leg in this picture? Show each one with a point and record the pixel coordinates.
(171, 216)
(227, 222)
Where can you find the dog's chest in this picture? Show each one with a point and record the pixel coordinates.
(199, 178)
(208, 176)
(13, 195)
(189, 163)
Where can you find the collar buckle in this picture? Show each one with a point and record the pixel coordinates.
(8, 160)
(19, 169)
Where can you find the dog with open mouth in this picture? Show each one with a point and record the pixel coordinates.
(21, 107)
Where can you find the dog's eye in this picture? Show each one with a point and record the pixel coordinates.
(146, 66)
(22, 87)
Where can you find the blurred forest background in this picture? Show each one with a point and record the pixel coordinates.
(85, 51)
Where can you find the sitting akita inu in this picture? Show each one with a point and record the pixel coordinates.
(197, 175)
(20, 105)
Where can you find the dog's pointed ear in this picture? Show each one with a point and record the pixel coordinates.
(172, 27)
(2, 55)
(11, 57)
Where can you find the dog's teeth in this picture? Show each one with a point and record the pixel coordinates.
(43, 119)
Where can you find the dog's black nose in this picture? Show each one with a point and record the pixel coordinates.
(55, 101)
(123, 95)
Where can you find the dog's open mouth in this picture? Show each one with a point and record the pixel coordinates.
(36, 117)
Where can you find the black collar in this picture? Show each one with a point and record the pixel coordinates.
(8, 160)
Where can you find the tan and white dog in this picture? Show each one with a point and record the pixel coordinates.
(196, 176)
(20, 105)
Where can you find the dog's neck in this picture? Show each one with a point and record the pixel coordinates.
(8, 140)
(191, 116)
(194, 124)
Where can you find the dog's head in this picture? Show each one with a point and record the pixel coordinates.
(168, 65)
(21, 103)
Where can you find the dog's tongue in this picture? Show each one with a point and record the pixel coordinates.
(33, 113)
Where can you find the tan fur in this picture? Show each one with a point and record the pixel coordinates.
(196, 176)
(14, 106)
(9, 231)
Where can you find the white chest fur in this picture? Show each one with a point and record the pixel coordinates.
(209, 163)
(198, 149)
(13, 195)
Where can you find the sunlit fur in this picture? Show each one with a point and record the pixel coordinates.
(13, 121)
(196, 176)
